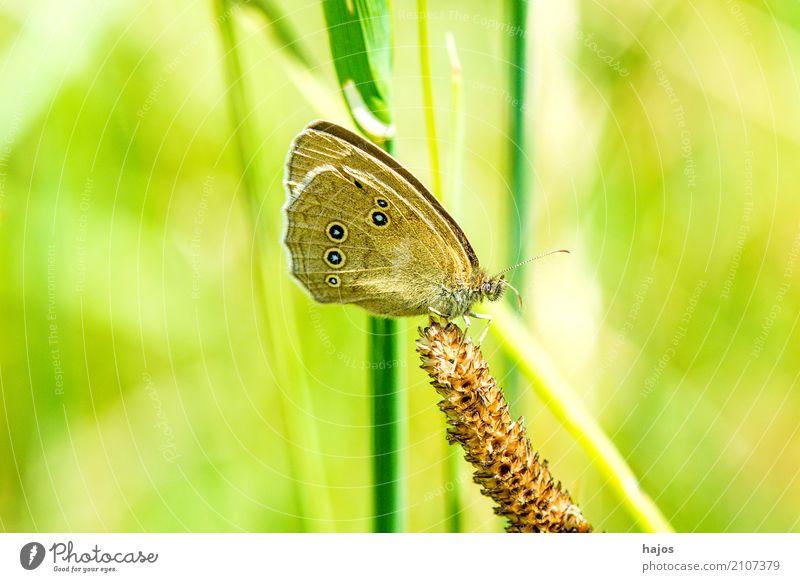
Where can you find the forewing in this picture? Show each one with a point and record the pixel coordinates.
(323, 142)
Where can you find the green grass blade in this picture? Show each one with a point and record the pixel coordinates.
(520, 231)
(243, 131)
(388, 420)
(359, 32)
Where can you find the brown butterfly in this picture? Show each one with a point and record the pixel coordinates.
(361, 229)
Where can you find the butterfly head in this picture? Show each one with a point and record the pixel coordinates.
(492, 288)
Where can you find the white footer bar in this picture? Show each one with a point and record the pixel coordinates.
(488, 557)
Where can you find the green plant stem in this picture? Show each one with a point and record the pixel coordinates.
(534, 363)
(427, 96)
(519, 233)
(452, 498)
(518, 148)
(237, 103)
(388, 414)
(388, 421)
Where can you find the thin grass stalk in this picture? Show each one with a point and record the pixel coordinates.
(388, 422)
(238, 105)
(388, 414)
(520, 231)
(519, 149)
(453, 505)
(427, 96)
(551, 388)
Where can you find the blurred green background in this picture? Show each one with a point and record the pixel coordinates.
(145, 386)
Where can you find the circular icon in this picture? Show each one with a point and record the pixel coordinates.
(31, 555)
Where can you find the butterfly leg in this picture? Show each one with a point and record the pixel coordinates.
(438, 313)
(467, 323)
(484, 316)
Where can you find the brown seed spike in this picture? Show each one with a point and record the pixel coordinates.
(506, 468)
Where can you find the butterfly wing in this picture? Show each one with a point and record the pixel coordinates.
(362, 229)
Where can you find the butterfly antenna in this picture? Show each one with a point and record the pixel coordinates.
(537, 257)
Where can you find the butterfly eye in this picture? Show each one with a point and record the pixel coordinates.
(487, 287)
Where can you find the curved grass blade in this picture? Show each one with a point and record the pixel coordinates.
(359, 32)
